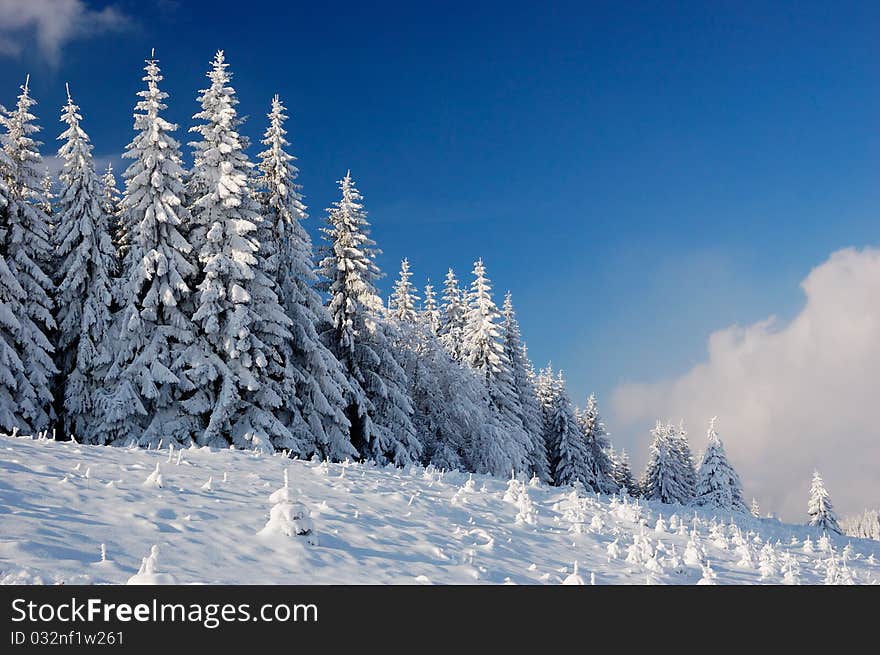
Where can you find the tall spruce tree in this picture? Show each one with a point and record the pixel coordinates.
(146, 392)
(820, 509)
(530, 408)
(483, 350)
(598, 443)
(622, 474)
(27, 251)
(84, 291)
(664, 478)
(567, 451)
(12, 297)
(402, 304)
(683, 457)
(379, 408)
(430, 311)
(321, 385)
(242, 328)
(454, 311)
(718, 485)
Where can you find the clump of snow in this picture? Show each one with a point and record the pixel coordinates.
(709, 576)
(574, 578)
(154, 479)
(148, 573)
(288, 517)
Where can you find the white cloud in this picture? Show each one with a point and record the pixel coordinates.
(50, 24)
(53, 164)
(790, 397)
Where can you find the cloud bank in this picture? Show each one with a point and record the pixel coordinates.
(50, 24)
(790, 398)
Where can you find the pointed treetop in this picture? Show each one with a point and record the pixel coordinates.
(27, 81)
(403, 299)
(67, 88)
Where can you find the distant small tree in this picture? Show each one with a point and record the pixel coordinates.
(865, 525)
(622, 473)
(430, 311)
(718, 484)
(756, 509)
(402, 305)
(596, 437)
(821, 510)
(110, 205)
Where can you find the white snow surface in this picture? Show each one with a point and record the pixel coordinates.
(373, 525)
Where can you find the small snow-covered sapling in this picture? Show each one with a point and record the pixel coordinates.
(154, 479)
(574, 578)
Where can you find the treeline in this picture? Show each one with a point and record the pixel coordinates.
(865, 525)
(191, 309)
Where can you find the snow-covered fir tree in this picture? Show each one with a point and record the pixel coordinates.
(320, 401)
(430, 312)
(454, 311)
(755, 508)
(622, 473)
(664, 478)
(378, 408)
(146, 396)
(453, 417)
(718, 485)
(49, 197)
(820, 509)
(402, 304)
(598, 443)
(110, 205)
(12, 297)
(47, 186)
(567, 452)
(530, 409)
(483, 348)
(243, 330)
(682, 451)
(84, 287)
(26, 249)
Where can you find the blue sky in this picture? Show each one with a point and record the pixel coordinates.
(638, 175)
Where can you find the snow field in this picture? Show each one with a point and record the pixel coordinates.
(198, 516)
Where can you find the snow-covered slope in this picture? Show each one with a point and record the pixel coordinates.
(59, 501)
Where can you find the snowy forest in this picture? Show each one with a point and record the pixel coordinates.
(188, 306)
